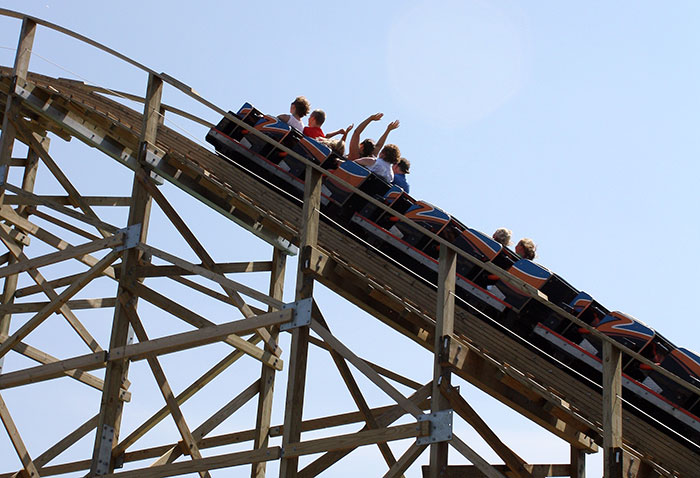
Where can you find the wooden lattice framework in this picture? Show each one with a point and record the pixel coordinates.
(460, 344)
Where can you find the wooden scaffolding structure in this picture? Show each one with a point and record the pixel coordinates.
(460, 343)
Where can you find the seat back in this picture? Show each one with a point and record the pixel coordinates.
(626, 329)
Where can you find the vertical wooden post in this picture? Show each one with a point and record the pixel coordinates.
(19, 72)
(294, 404)
(444, 327)
(578, 463)
(267, 377)
(116, 372)
(612, 410)
(10, 287)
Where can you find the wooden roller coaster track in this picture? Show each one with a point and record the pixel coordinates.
(460, 342)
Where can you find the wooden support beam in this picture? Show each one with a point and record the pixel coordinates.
(488, 470)
(356, 393)
(368, 371)
(10, 286)
(65, 200)
(56, 304)
(64, 310)
(164, 387)
(198, 321)
(578, 463)
(406, 460)
(203, 255)
(82, 217)
(471, 471)
(107, 435)
(16, 440)
(185, 395)
(612, 411)
(8, 214)
(209, 463)
(69, 253)
(212, 422)
(220, 268)
(267, 375)
(19, 73)
(63, 224)
(354, 440)
(384, 419)
(208, 274)
(515, 464)
(45, 359)
(294, 404)
(444, 328)
(65, 443)
(77, 304)
(73, 194)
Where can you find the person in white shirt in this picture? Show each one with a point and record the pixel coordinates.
(300, 107)
(382, 165)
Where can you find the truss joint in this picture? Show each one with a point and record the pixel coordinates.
(440, 427)
(301, 316)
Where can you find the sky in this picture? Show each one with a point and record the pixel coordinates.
(572, 124)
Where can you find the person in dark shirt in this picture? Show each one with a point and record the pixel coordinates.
(526, 248)
(400, 171)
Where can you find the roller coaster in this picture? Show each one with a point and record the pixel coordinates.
(507, 325)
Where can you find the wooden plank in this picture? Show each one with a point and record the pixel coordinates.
(209, 463)
(200, 322)
(444, 328)
(406, 460)
(612, 411)
(488, 470)
(53, 370)
(471, 471)
(353, 440)
(220, 268)
(77, 304)
(65, 200)
(266, 388)
(517, 465)
(384, 419)
(55, 304)
(63, 224)
(195, 338)
(16, 440)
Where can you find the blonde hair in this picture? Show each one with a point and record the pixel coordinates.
(502, 236)
(336, 145)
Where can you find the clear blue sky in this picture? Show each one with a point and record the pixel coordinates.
(575, 125)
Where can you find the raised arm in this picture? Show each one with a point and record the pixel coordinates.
(354, 151)
(344, 132)
(380, 144)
